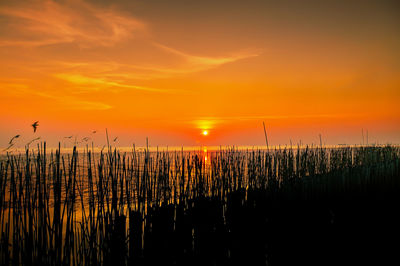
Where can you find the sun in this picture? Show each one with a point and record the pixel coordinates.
(205, 132)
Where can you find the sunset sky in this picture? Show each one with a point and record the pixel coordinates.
(168, 70)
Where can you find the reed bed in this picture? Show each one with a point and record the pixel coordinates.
(90, 208)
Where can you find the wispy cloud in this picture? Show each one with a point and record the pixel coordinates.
(35, 23)
(112, 70)
(194, 63)
(66, 101)
(97, 83)
(12, 86)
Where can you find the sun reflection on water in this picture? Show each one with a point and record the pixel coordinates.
(205, 154)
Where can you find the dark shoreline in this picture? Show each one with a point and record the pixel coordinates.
(342, 228)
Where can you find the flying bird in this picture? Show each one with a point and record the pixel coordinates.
(115, 139)
(69, 137)
(35, 125)
(15, 137)
(94, 131)
(85, 139)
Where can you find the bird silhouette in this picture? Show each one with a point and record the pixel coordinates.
(15, 137)
(115, 139)
(35, 125)
(69, 137)
(94, 131)
(85, 139)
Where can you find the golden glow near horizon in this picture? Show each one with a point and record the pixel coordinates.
(205, 132)
(167, 71)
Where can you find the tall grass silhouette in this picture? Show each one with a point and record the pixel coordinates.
(164, 207)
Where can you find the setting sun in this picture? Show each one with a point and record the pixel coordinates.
(205, 132)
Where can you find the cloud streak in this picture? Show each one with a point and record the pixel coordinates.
(111, 70)
(36, 23)
(97, 83)
(195, 63)
(66, 101)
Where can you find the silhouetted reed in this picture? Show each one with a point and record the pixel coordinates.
(164, 207)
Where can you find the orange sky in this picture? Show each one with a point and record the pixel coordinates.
(171, 69)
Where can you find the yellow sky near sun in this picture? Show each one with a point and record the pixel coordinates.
(171, 72)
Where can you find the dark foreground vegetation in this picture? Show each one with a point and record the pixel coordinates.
(312, 206)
